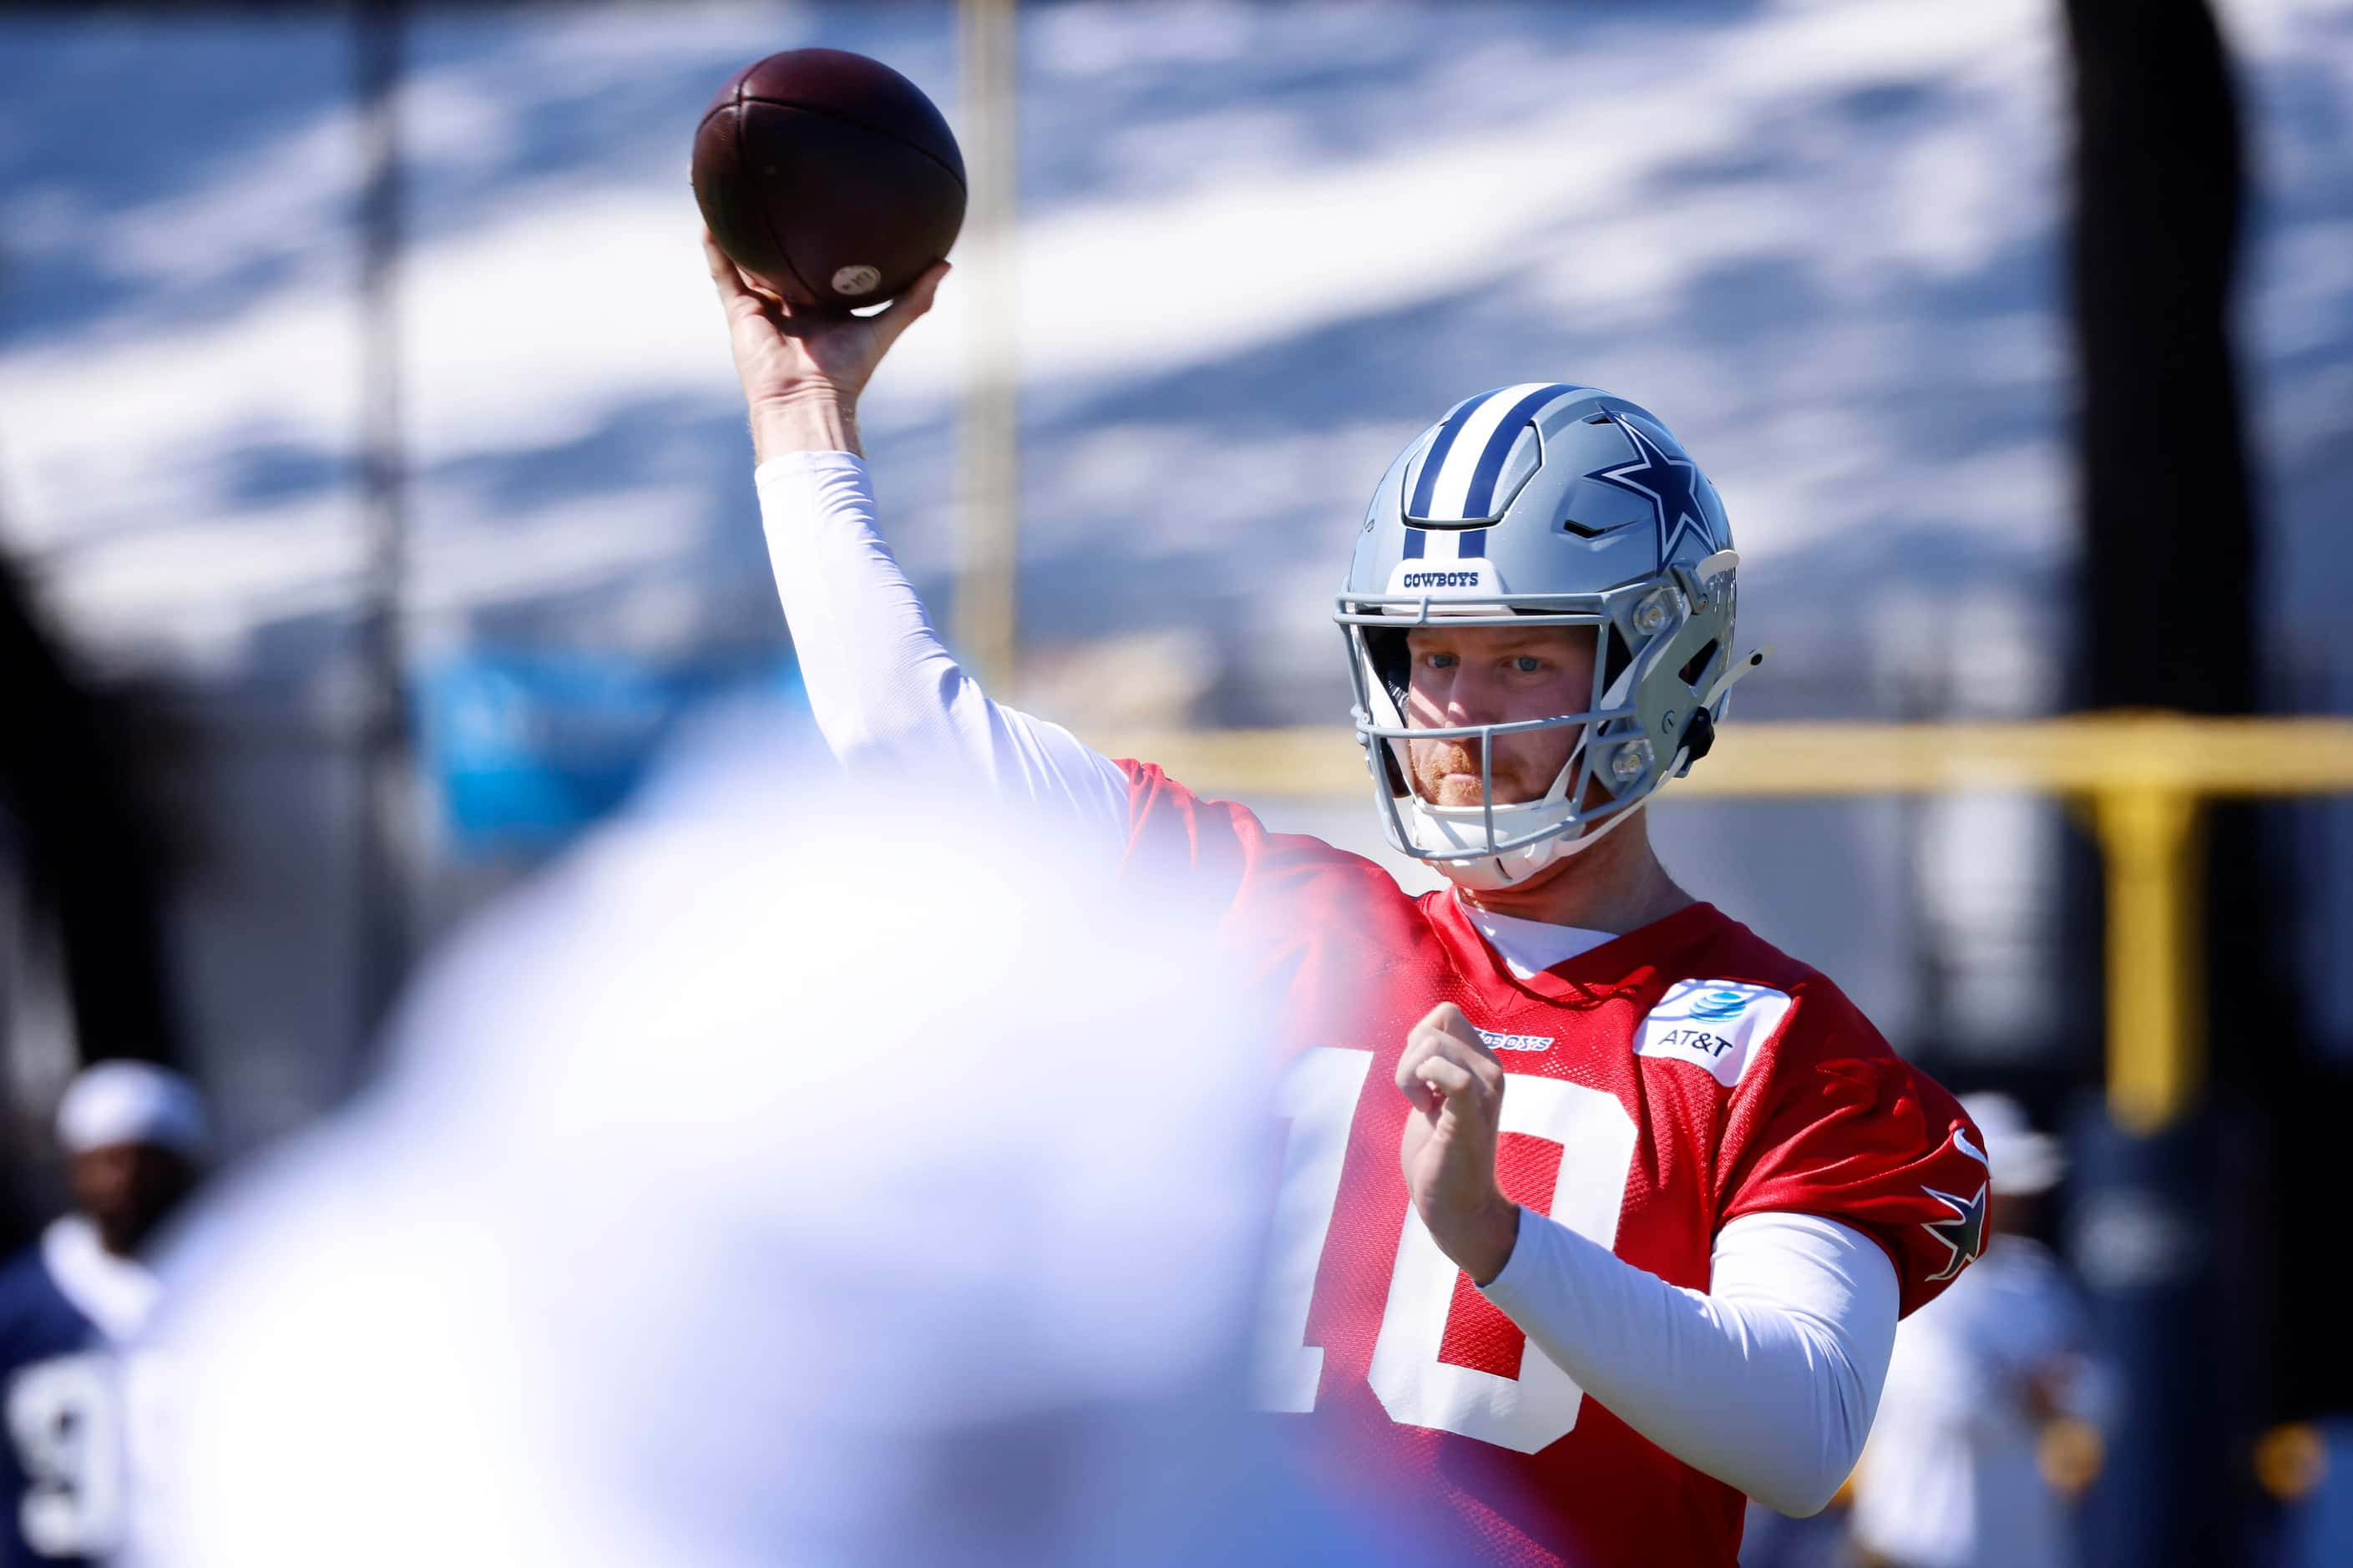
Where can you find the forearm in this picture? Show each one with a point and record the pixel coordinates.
(885, 692)
(1767, 1381)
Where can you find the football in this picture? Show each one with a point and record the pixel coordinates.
(829, 178)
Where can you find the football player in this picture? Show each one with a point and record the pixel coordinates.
(1598, 1211)
(72, 1305)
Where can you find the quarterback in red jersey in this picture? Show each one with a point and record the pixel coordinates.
(1596, 1212)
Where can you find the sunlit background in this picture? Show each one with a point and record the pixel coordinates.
(1260, 246)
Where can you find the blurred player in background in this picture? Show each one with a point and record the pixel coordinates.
(784, 1179)
(1559, 1102)
(73, 1387)
(1981, 1383)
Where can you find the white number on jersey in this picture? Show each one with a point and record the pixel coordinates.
(1537, 1408)
(61, 1420)
(1318, 1094)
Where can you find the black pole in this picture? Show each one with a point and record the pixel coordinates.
(384, 747)
(75, 784)
(94, 862)
(2167, 595)
(2146, 1231)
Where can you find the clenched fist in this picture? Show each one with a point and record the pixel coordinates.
(1456, 1086)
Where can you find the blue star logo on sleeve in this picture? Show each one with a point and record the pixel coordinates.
(1669, 482)
(1963, 1235)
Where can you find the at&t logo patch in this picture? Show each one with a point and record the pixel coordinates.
(1715, 1024)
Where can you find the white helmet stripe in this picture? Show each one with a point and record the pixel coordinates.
(1468, 457)
(1470, 444)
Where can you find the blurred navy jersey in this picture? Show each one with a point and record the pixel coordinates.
(60, 1467)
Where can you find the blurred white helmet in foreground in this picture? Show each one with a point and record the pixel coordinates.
(745, 1195)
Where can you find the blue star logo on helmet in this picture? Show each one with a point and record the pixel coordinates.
(1671, 484)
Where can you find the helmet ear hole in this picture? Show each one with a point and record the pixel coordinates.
(1696, 666)
(1615, 657)
(1392, 771)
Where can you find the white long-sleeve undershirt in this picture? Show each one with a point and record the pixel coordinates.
(1766, 1381)
(886, 693)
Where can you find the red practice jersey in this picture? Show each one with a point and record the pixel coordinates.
(1661, 1085)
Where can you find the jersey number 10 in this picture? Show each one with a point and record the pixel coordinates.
(1319, 1095)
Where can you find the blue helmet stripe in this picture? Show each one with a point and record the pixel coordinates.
(1479, 500)
(1435, 458)
(1415, 539)
(1473, 544)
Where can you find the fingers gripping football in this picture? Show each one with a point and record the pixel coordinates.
(1455, 1085)
(802, 374)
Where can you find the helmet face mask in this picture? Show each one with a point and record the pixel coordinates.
(1602, 523)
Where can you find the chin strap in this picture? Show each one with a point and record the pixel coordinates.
(1460, 872)
(1731, 676)
(1699, 735)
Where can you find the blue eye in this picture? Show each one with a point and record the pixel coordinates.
(1527, 664)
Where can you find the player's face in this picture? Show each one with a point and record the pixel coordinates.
(1494, 675)
(127, 1189)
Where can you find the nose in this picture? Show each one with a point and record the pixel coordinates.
(1474, 697)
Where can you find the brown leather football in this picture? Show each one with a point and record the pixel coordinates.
(828, 177)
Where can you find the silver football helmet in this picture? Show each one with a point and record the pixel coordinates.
(1546, 505)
